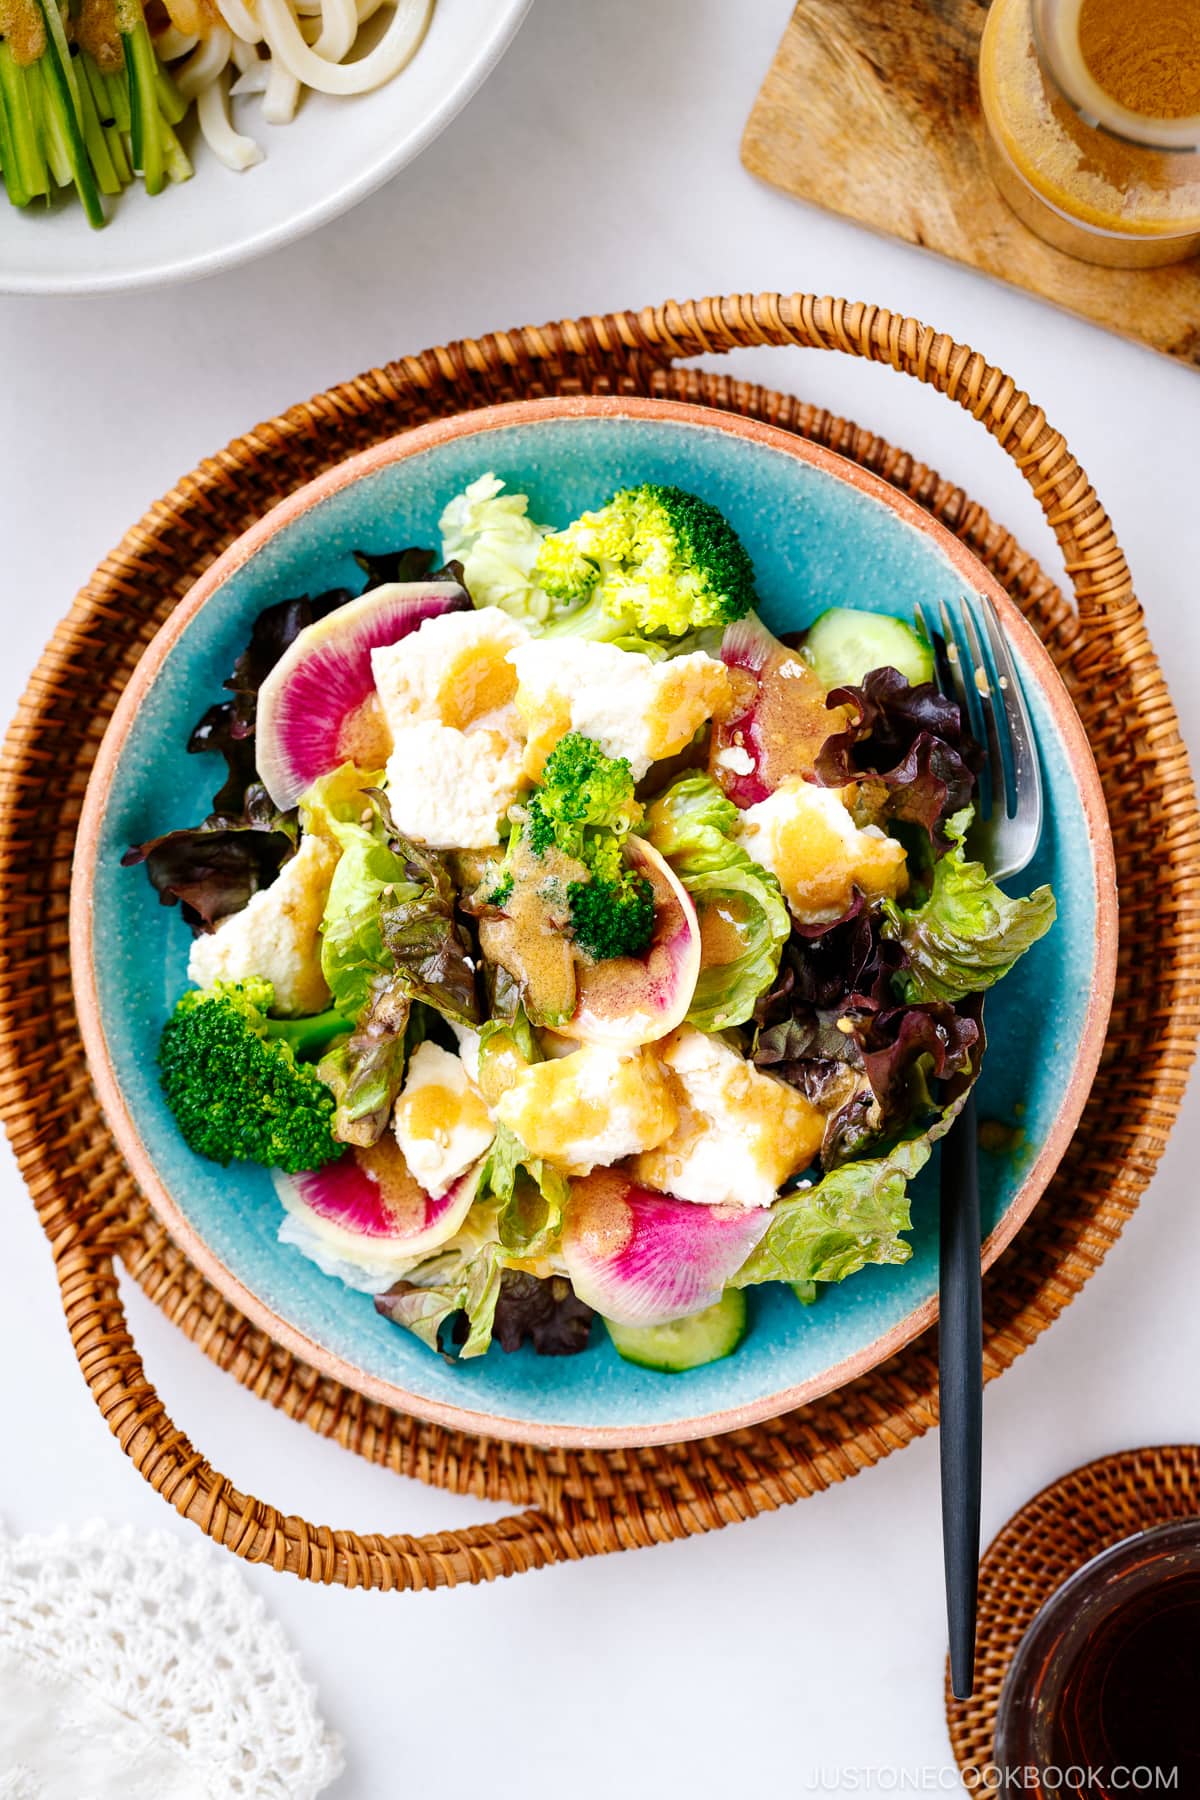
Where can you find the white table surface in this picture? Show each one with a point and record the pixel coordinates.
(598, 168)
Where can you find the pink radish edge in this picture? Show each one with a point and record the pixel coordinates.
(354, 1212)
(310, 703)
(749, 646)
(641, 1258)
(636, 1000)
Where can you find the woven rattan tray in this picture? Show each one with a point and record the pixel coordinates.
(581, 1503)
(1054, 1534)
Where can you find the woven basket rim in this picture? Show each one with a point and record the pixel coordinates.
(137, 691)
(579, 1503)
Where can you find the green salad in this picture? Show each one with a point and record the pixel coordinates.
(568, 945)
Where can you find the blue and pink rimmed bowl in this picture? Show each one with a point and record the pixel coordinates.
(822, 532)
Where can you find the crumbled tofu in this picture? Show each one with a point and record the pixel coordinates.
(453, 670)
(451, 788)
(741, 1133)
(633, 707)
(591, 1108)
(441, 1121)
(276, 936)
(806, 836)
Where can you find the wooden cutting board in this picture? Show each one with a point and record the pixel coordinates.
(872, 110)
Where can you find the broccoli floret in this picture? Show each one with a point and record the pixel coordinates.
(585, 807)
(653, 562)
(582, 793)
(232, 1079)
(501, 894)
(612, 918)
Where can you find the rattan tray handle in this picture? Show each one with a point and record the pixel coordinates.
(558, 356)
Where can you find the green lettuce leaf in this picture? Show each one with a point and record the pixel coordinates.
(390, 916)
(491, 534)
(389, 939)
(464, 1276)
(495, 1303)
(366, 1070)
(967, 934)
(853, 1216)
(430, 952)
(353, 953)
(508, 1034)
(474, 1290)
(530, 1193)
(692, 825)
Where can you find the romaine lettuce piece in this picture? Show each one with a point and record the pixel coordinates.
(742, 912)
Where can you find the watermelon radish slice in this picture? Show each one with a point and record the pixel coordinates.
(736, 756)
(780, 718)
(641, 1258)
(368, 1213)
(638, 999)
(317, 708)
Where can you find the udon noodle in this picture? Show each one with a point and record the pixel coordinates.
(220, 49)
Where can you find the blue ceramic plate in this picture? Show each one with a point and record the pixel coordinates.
(822, 533)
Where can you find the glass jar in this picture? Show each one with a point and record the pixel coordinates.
(1092, 110)
(1106, 1679)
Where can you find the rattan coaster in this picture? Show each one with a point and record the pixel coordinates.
(581, 1503)
(1054, 1534)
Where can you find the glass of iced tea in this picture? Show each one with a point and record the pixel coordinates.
(1093, 116)
(1103, 1696)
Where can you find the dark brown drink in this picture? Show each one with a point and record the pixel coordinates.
(1103, 1697)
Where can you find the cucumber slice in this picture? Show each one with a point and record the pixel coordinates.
(844, 645)
(689, 1343)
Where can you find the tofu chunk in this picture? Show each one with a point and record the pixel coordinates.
(589, 1109)
(276, 935)
(450, 788)
(633, 707)
(805, 835)
(441, 1121)
(453, 670)
(741, 1133)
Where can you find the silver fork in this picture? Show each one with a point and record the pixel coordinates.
(1008, 804)
(974, 668)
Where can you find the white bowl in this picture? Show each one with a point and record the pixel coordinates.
(332, 155)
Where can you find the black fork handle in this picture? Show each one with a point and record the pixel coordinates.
(960, 1377)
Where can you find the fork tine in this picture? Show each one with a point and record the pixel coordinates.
(945, 677)
(1026, 772)
(962, 688)
(984, 680)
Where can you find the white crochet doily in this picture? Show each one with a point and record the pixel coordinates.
(133, 1667)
